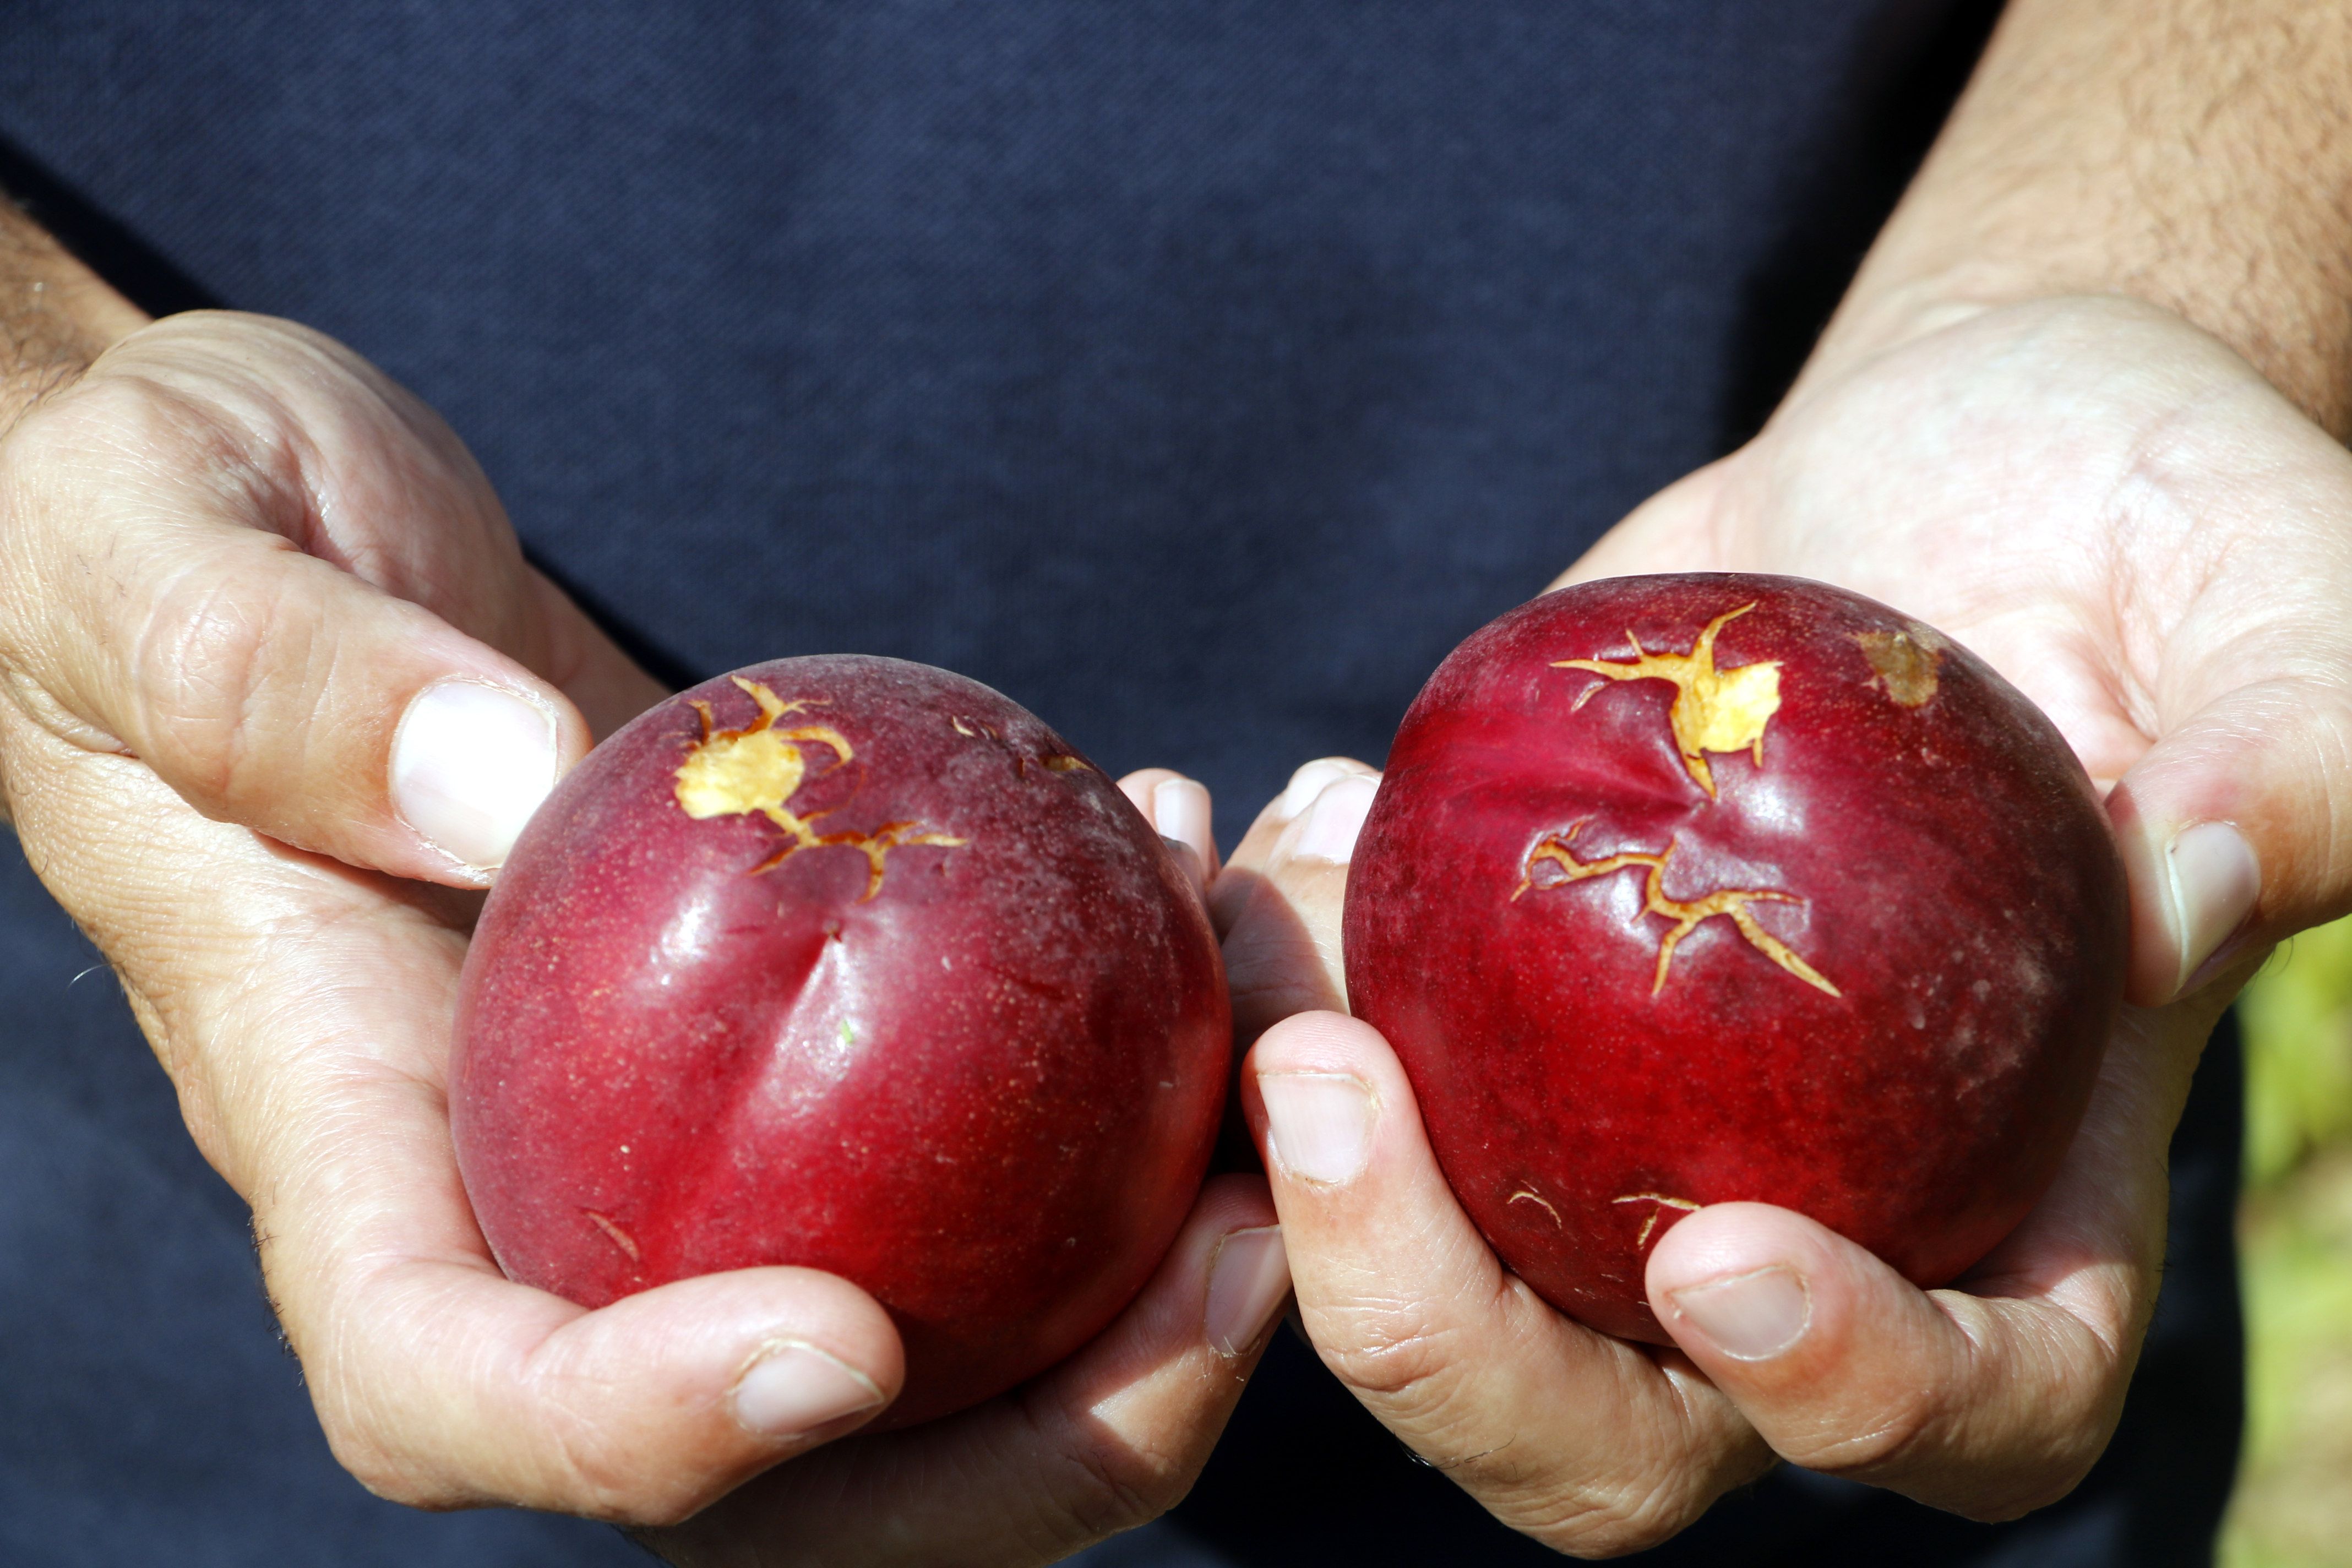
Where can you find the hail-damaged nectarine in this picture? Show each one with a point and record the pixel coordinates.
(855, 964)
(1684, 890)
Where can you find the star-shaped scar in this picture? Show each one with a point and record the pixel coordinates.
(760, 768)
(1731, 903)
(1715, 710)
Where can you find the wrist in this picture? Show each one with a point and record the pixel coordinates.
(2176, 153)
(57, 316)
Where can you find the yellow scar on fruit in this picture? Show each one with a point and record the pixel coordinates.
(1730, 903)
(1660, 1199)
(1530, 1196)
(760, 768)
(1715, 710)
(615, 1235)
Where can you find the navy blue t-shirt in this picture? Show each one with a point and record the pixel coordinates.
(1196, 372)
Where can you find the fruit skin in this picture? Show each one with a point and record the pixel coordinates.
(1946, 867)
(986, 1093)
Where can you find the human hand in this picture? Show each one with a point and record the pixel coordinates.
(2138, 533)
(275, 664)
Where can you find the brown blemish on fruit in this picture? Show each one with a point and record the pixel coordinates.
(1660, 1199)
(614, 1233)
(1906, 664)
(1714, 711)
(1065, 764)
(760, 768)
(1530, 1196)
(1730, 903)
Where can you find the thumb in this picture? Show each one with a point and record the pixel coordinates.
(2231, 824)
(154, 601)
(2229, 829)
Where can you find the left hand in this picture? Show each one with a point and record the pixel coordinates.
(2128, 523)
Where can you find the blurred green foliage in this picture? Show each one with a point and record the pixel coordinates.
(2298, 1020)
(2294, 1503)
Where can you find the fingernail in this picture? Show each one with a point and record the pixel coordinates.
(469, 765)
(1189, 858)
(1319, 1123)
(1328, 830)
(1249, 1279)
(1307, 783)
(1748, 1317)
(2212, 881)
(1180, 807)
(795, 1388)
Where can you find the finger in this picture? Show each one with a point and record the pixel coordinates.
(1279, 904)
(449, 1386)
(586, 664)
(1983, 1406)
(2230, 826)
(1179, 810)
(1989, 1399)
(1108, 1440)
(160, 600)
(1588, 1443)
(306, 1017)
(439, 1383)
(2230, 823)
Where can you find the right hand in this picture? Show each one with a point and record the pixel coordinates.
(275, 667)
(2129, 524)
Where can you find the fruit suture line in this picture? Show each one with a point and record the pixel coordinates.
(1730, 902)
(760, 768)
(1714, 711)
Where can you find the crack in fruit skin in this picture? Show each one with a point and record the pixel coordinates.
(760, 768)
(1714, 711)
(1060, 762)
(1730, 903)
(1663, 1201)
(1530, 1196)
(615, 1234)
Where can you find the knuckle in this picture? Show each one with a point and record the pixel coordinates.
(1914, 1421)
(1392, 1353)
(216, 639)
(579, 1460)
(1640, 1505)
(383, 1467)
(1614, 1525)
(1099, 1487)
(590, 1474)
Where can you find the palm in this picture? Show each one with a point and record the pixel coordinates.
(259, 531)
(2103, 503)
(2067, 490)
(2128, 524)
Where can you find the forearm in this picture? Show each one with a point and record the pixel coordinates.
(55, 315)
(2193, 154)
